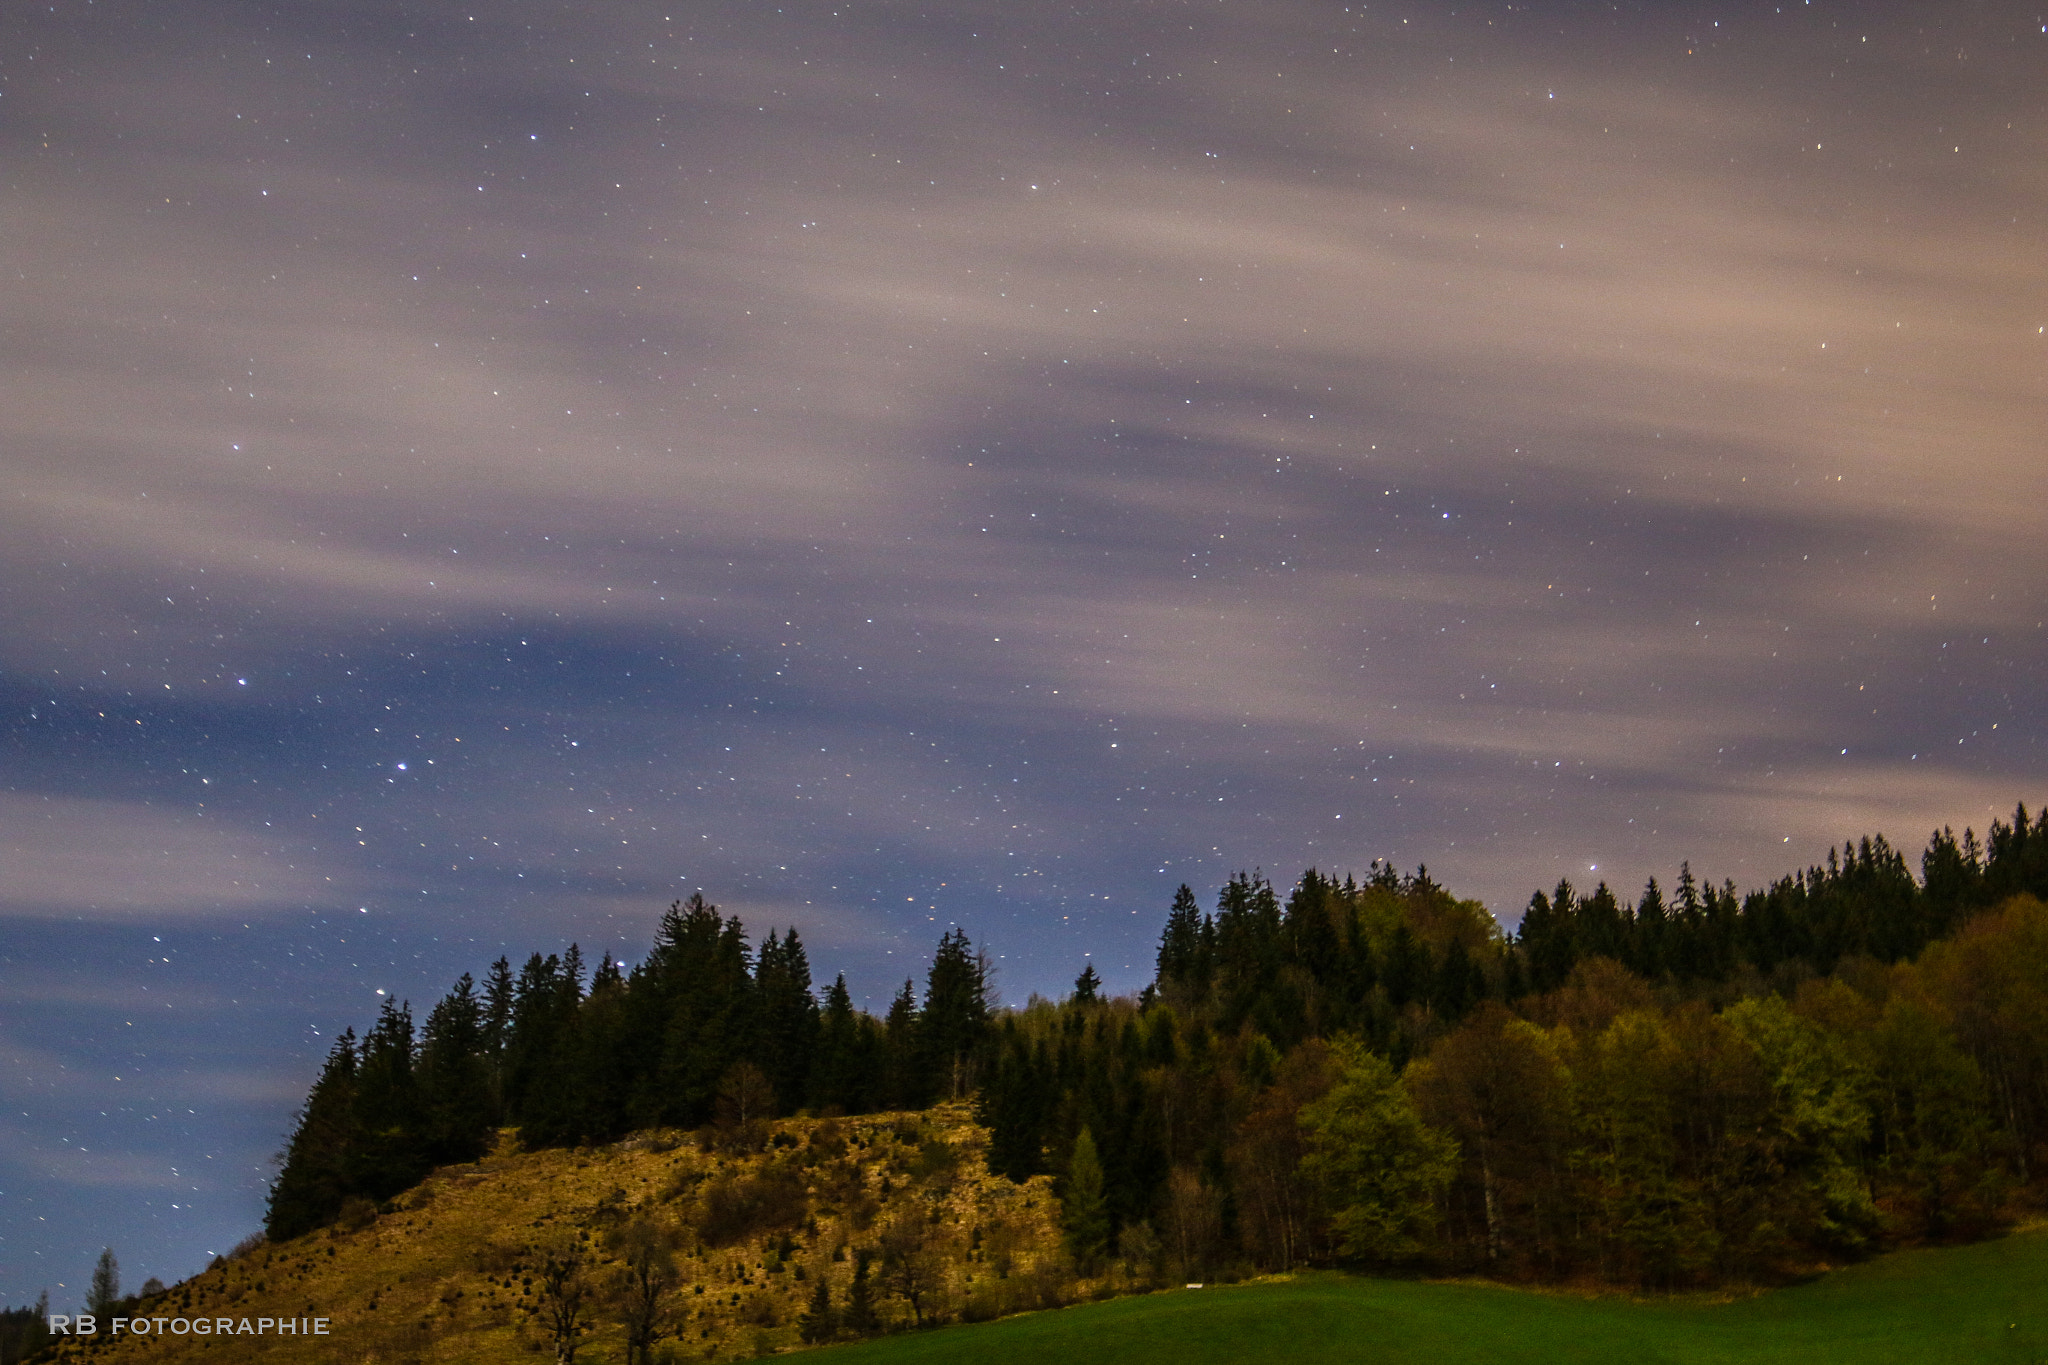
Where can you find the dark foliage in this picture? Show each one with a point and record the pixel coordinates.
(24, 1331)
(701, 1031)
(1692, 1086)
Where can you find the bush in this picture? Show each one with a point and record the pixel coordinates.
(737, 1207)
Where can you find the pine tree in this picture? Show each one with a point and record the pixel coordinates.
(104, 1294)
(1014, 1105)
(314, 1176)
(840, 1076)
(1084, 1214)
(454, 1078)
(1087, 986)
(1459, 984)
(536, 1018)
(1407, 971)
(703, 971)
(861, 1319)
(1650, 932)
(389, 1153)
(788, 1019)
(956, 1013)
(602, 1074)
(1181, 961)
(906, 1080)
(1603, 931)
(819, 1323)
(1249, 950)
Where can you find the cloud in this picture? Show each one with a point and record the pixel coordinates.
(124, 862)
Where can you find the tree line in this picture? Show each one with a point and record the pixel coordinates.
(1688, 1086)
(705, 1023)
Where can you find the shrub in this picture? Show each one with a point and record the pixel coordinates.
(737, 1207)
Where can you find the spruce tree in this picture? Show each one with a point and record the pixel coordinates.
(314, 1176)
(454, 1078)
(389, 1153)
(788, 1019)
(861, 1319)
(104, 1293)
(601, 1075)
(906, 1081)
(819, 1323)
(956, 1013)
(704, 971)
(1181, 957)
(1084, 1214)
(837, 1079)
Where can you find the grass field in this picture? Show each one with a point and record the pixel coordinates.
(1979, 1303)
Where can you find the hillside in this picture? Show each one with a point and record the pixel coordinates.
(453, 1269)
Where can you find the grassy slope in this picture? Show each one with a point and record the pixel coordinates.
(1950, 1305)
(438, 1281)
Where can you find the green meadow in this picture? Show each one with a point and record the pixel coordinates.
(1987, 1302)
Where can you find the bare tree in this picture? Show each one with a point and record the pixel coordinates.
(564, 1296)
(646, 1276)
(914, 1261)
(1193, 1222)
(744, 1105)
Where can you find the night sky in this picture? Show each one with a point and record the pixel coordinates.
(470, 475)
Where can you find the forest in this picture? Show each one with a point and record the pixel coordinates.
(1693, 1087)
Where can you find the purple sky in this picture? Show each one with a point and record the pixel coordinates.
(473, 474)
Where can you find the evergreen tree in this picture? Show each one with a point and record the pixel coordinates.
(104, 1293)
(601, 1070)
(454, 1078)
(313, 1179)
(497, 1030)
(499, 994)
(547, 1052)
(1183, 958)
(906, 1080)
(1015, 1106)
(819, 1323)
(861, 1319)
(1549, 936)
(1687, 956)
(788, 1019)
(1406, 975)
(1087, 986)
(705, 975)
(1084, 1215)
(389, 1153)
(537, 1016)
(956, 1013)
(1460, 983)
(25, 1331)
(1309, 927)
(1249, 950)
(842, 1072)
(1651, 928)
(1603, 932)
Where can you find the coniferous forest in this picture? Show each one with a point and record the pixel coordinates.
(1692, 1086)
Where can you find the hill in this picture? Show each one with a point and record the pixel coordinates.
(456, 1268)
(450, 1273)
